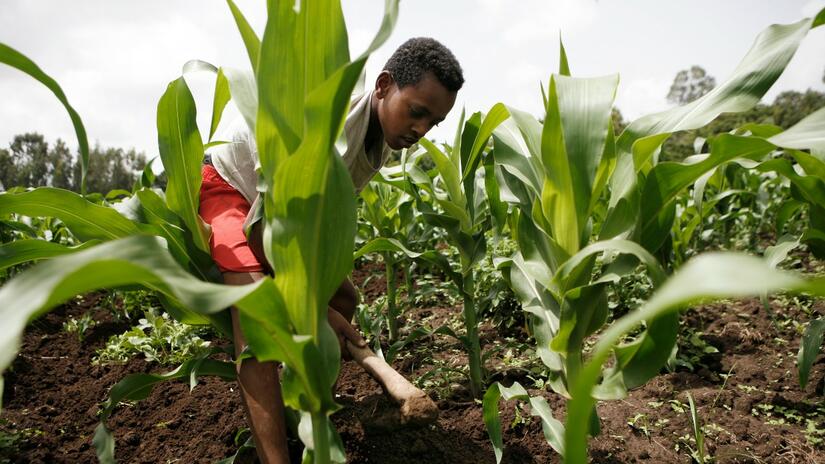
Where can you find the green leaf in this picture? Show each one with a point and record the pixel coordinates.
(432, 257)
(309, 204)
(178, 237)
(181, 151)
(809, 349)
(666, 180)
(755, 74)
(552, 428)
(562, 276)
(809, 133)
(137, 260)
(709, 276)
(136, 387)
(449, 173)
(221, 96)
(19, 61)
(244, 90)
(23, 251)
(250, 39)
(86, 220)
(497, 114)
(564, 66)
(572, 144)
(104, 444)
(147, 178)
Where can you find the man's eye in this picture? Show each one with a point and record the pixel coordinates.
(416, 113)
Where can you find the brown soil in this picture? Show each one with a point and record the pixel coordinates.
(53, 393)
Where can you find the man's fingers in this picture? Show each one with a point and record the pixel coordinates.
(343, 327)
(354, 337)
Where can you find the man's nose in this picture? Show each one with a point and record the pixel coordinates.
(419, 129)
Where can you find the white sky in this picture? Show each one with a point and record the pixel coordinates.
(115, 58)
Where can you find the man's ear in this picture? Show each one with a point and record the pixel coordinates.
(383, 83)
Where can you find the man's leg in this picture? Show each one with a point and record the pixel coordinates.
(260, 390)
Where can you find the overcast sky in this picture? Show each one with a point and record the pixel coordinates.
(115, 58)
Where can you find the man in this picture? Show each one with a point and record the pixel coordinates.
(414, 92)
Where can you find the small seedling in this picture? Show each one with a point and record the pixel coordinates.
(78, 327)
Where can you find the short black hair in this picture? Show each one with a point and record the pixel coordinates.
(421, 55)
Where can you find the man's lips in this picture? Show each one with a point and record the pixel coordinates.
(409, 140)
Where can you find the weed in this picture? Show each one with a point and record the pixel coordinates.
(158, 338)
(78, 327)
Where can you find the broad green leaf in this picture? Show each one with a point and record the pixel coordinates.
(221, 95)
(136, 260)
(666, 180)
(309, 205)
(755, 74)
(583, 311)
(250, 39)
(552, 428)
(178, 237)
(709, 276)
(295, 66)
(86, 220)
(562, 276)
(147, 177)
(450, 176)
(23, 251)
(515, 160)
(181, 150)
(573, 142)
(136, 387)
(433, 257)
(809, 349)
(244, 90)
(497, 114)
(19, 61)
(809, 133)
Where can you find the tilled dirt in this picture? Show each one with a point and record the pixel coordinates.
(52, 395)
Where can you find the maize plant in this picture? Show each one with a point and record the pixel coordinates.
(295, 102)
(557, 173)
(389, 212)
(460, 194)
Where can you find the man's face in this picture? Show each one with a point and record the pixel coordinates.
(407, 114)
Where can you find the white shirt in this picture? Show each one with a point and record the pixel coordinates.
(237, 162)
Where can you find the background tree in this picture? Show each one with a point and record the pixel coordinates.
(29, 161)
(791, 106)
(111, 168)
(690, 84)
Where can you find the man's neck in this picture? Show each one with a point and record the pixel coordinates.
(374, 134)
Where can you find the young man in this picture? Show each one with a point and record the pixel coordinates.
(414, 92)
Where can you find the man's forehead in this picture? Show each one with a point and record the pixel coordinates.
(430, 95)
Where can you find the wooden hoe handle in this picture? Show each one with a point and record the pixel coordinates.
(416, 406)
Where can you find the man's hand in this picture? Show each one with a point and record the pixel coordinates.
(345, 331)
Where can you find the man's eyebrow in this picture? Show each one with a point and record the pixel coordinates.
(422, 108)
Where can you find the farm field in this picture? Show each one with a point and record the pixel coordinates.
(568, 286)
(747, 396)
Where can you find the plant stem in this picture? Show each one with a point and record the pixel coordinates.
(392, 309)
(473, 344)
(320, 438)
(409, 282)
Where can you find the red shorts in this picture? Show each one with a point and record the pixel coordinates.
(225, 209)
